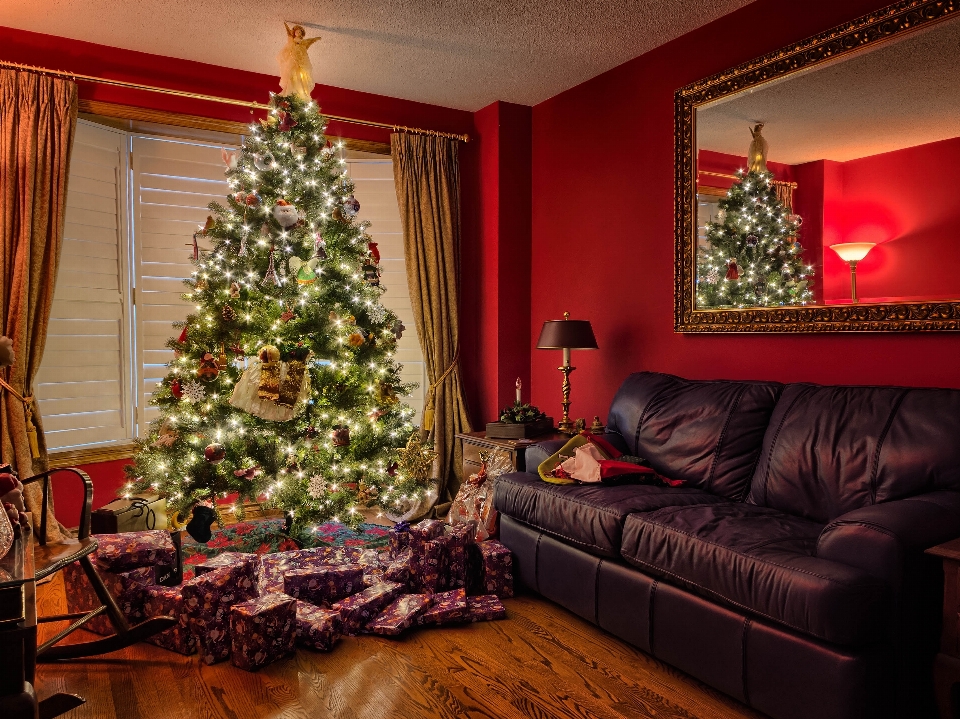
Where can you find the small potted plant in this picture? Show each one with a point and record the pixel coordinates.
(519, 421)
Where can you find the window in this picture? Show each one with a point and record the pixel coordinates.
(134, 200)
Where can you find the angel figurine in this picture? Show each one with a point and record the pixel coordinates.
(757, 154)
(296, 72)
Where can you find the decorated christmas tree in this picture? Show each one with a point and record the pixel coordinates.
(753, 257)
(283, 389)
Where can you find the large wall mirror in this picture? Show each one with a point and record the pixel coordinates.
(818, 188)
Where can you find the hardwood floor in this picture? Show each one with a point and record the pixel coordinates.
(541, 662)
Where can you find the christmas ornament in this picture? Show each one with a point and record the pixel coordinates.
(386, 394)
(240, 197)
(252, 199)
(416, 459)
(294, 373)
(377, 313)
(176, 389)
(785, 270)
(246, 394)
(733, 272)
(285, 214)
(319, 246)
(298, 151)
(242, 252)
(199, 525)
(287, 122)
(228, 313)
(351, 206)
(234, 290)
(248, 473)
(269, 373)
(340, 436)
(264, 162)
(375, 414)
(398, 329)
(193, 392)
(338, 215)
(371, 275)
(374, 252)
(317, 486)
(392, 469)
(287, 315)
(222, 361)
(757, 154)
(229, 158)
(208, 369)
(721, 215)
(713, 276)
(310, 432)
(270, 278)
(366, 493)
(752, 240)
(214, 453)
(167, 435)
(182, 339)
(304, 270)
(355, 339)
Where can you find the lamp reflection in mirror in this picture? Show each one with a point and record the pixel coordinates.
(566, 334)
(852, 253)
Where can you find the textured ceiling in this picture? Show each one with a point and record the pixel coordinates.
(900, 95)
(456, 53)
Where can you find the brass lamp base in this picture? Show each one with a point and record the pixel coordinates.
(566, 425)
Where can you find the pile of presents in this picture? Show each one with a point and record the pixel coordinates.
(254, 609)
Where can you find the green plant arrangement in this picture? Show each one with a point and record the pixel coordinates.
(521, 414)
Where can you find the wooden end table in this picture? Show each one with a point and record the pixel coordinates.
(476, 442)
(946, 667)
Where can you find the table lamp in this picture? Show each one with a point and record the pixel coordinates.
(566, 334)
(852, 253)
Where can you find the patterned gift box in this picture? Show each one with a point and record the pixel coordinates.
(120, 552)
(125, 587)
(357, 610)
(273, 566)
(226, 559)
(399, 569)
(317, 628)
(420, 534)
(497, 569)
(433, 565)
(400, 614)
(461, 535)
(399, 538)
(208, 599)
(168, 602)
(262, 630)
(486, 608)
(447, 607)
(324, 584)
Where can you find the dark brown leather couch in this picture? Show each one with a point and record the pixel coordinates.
(788, 571)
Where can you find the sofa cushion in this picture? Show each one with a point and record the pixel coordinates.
(707, 433)
(759, 560)
(588, 516)
(831, 450)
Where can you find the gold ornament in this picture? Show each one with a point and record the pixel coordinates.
(757, 154)
(269, 373)
(416, 460)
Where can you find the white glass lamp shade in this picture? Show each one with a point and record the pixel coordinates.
(853, 251)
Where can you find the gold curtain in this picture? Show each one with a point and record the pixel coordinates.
(38, 119)
(426, 172)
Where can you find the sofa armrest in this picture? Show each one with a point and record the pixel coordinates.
(539, 452)
(879, 538)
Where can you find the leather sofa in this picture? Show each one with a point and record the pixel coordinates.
(788, 570)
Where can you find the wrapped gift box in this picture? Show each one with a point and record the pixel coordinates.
(461, 535)
(400, 614)
(323, 584)
(317, 628)
(497, 569)
(398, 570)
(447, 607)
(432, 565)
(120, 552)
(208, 599)
(140, 512)
(356, 611)
(262, 630)
(125, 587)
(485, 608)
(272, 566)
(168, 602)
(399, 538)
(225, 560)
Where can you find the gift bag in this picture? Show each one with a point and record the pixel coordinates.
(474, 501)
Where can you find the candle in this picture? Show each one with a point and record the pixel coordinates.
(519, 384)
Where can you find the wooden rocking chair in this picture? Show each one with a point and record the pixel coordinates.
(51, 558)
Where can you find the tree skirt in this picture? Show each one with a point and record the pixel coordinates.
(265, 536)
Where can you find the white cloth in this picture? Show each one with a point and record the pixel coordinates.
(584, 465)
(245, 395)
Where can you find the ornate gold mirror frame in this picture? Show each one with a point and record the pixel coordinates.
(877, 27)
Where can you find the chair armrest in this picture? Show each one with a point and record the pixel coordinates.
(85, 512)
(879, 538)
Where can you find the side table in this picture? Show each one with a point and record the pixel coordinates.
(476, 442)
(946, 667)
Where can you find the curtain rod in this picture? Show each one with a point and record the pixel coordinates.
(734, 177)
(223, 100)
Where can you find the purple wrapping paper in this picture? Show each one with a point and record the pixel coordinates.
(323, 584)
(399, 569)
(208, 599)
(125, 587)
(168, 602)
(497, 569)
(400, 614)
(420, 534)
(317, 628)
(433, 565)
(485, 608)
(399, 537)
(262, 630)
(455, 572)
(226, 559)
(356, 611)
(274, 565)
(120, 552)
(447, 607)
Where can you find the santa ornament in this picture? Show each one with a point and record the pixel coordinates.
(733, 272)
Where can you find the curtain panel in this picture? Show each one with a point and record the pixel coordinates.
(38, 118)
(427, 177)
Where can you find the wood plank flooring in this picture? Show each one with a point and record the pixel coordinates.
(541, 662)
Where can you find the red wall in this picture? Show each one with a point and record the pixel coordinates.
(603, 230)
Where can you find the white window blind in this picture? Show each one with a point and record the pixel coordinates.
(373, 180)
(173, 182)
(81, 383)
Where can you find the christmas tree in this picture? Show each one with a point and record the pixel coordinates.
(283, 389)
(754, 258)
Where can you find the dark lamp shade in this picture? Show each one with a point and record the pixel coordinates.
(567, 334)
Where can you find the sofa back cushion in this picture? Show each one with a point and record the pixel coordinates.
(707, 433)
(830, 450)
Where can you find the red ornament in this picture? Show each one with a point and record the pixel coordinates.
(183, 336)
(252, 199)
(341, 436)
(392, 469)
(176, 390)
(286, 122)
(733, 272)
(214, 453)
(287, 315)
(374, 252)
